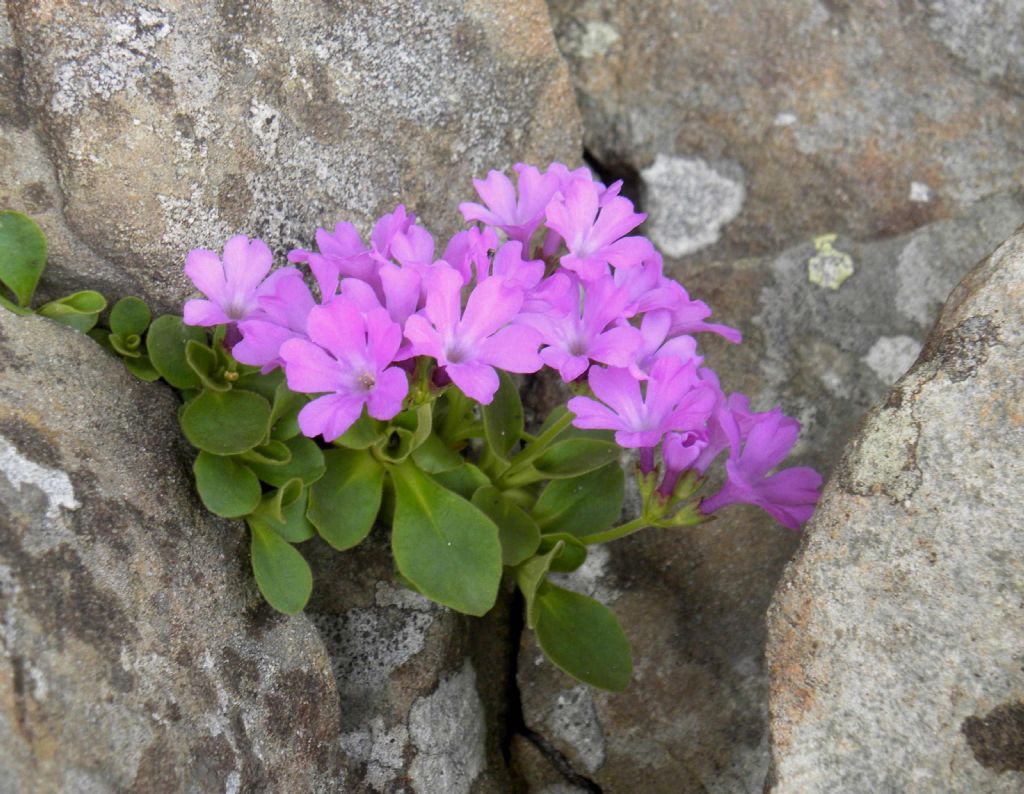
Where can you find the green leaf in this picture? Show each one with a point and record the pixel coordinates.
(344, 502)
(130, 317)
(79, 310)
(284, 418)
(575, 456)
(582, 505)
(22, 254)
(226, 487)
(434, 456)
(364, 433)
(443, 544)
(582, 637)
(291, 523)
(102, 337)
(503, 418)
(282, 575)
(273, 453)
(407, 432)
(273, 504)
(530, 575)
(142, 368)
(126, 346)
(465, 480)
(572, 554)
(226, 423)
(517, 531)
(306, 463)
(165, 343)
(206, 363)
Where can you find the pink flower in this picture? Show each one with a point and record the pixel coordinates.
(790, 495)
(347, 358)
(284, 309)
(518, 216)
(574, 335)
(470, 344)
(594, 234)
(232, 287)
(673, 399)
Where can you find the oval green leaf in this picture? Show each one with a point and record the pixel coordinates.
(582, 505)
(344, 502)
(80, 310)
(503, 418)
(364, 433)
(282, 575)
(291, 522)
(226, 423)
(443, 544)
(465, 480)
(142, 368)
(22, 254)
(165, 343)
(582, 637)
(575, 456)
(517, 531)
(434, 456)
(225, 486)
(571, 555)
(130, 316)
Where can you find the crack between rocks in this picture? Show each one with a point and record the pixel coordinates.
(611, 169)
(516, 720)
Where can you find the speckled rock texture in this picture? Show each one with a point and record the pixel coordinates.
(135, 651)
(175, 124)
(896, 638)
(749, 126)
(422, 691)
(694, 601)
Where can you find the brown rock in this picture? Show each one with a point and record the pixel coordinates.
(749, 128)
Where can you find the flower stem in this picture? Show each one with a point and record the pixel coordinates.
(616, 532)
(537, 447)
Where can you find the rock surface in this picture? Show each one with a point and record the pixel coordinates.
(694, 601)
(177, 124)
(896, 638)
(748, 131)
(135, 651)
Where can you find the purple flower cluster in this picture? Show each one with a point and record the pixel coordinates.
(547, 274)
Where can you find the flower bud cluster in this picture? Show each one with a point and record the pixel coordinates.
(547, 274)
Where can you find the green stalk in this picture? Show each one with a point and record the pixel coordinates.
(536, 448)
(616, 532)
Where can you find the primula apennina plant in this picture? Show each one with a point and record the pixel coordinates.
(378, 388)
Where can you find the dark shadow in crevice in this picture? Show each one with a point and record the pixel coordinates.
(612, 169)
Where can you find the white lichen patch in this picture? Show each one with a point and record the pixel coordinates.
(688, 202)
(596, 39)
(382, 749)
(591, 578)
(891, 356)
(54, 483)
(785, 120)
(829, 267)
(920, 193)
(573, 720)
(448, 731)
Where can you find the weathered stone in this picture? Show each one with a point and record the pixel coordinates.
(28, 183)
(135, 651)
(896, 638)
(693, 601)
(748, 129)
(419, 686)
(176, 124)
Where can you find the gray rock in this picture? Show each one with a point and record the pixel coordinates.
(135, 651)
(176, 124)
(896, 638)
(867, 119)
(694, 601)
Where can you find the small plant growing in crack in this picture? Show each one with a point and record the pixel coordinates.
(375, 382)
